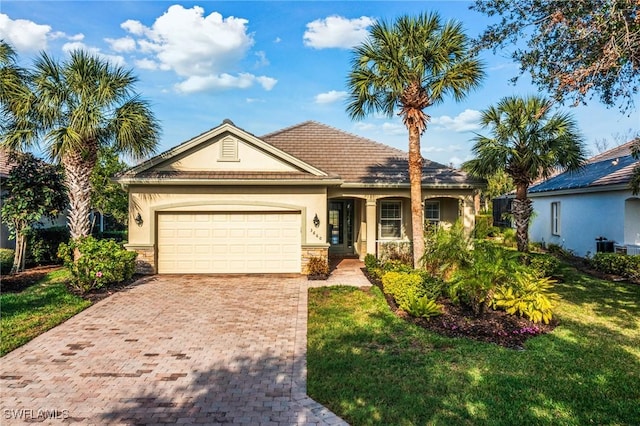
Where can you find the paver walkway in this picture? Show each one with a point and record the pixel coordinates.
(174, 349)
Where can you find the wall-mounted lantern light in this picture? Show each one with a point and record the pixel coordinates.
(139, 220)
(316, 221)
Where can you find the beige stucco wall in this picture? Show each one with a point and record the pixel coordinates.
(454, 204)
(207, 158)
(149, 200)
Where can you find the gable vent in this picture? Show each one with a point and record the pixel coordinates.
(229, 149)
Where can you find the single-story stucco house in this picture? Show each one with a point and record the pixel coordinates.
(227, 201)
(5, 169)
(577, 210)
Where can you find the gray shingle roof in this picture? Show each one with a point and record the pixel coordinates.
(356, 159)
(612, 167)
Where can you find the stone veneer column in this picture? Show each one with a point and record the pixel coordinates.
(309, 251)
(146, 260)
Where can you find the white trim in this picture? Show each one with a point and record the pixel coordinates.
(587, 190)
(234, 182)
(219, 131)
(380, 219)
(435, 203)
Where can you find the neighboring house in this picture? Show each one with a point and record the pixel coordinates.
(227, 201)
(575, 209)
(5, 169)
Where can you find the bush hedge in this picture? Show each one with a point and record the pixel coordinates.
(102, 262)
(43, 243)
(6, 260)
(618, 264)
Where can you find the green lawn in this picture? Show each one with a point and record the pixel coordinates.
(370, 367)
(36, 309)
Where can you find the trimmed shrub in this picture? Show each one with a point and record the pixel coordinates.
(545, 265)
(402, 286)
(370, 262)
(528, 295)
(102, 262)
(396, 266)
(43, 243)
(6, 260)
(617, 263)
(317, 267)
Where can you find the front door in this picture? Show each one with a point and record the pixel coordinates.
(340, 232)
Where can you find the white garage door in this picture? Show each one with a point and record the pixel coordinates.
(229, 242)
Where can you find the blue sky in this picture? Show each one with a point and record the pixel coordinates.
(268, 65)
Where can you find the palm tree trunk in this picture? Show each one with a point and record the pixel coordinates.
(77, 174)
(522, 209)
(415, 179)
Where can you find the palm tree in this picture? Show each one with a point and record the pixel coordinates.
(77, 107)
(407, 67)
(529, 143)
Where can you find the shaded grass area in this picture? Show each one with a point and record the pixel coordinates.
(36, 309)
(371, 367)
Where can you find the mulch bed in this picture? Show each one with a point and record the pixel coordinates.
(15, 283)
(496, 327)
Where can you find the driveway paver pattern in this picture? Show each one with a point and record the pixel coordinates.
(190, 349)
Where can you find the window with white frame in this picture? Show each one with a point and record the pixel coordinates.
(555, 218)
(391, 219)
(432, 212)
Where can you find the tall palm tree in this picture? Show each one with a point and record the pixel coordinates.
(406, 67)
(529, 143)
(76, 107)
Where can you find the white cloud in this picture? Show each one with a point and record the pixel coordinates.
(330, 97)
(78, 45)
(336, 31)
(262, 59)
(147, 64)
(277, 40)
(124, 44)
(468, 120)
(24, 35)
(223, 81)
(28, 36)
(364, 127)
(394, 129)
(134, 27)
(201, 49)
(448, 148)
(386, 128)
(267, 83)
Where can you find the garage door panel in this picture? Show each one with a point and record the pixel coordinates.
(229, 243)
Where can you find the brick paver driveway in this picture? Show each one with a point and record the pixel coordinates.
(175, 349)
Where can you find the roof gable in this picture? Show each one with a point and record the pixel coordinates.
(613, 167)
(225, 150)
